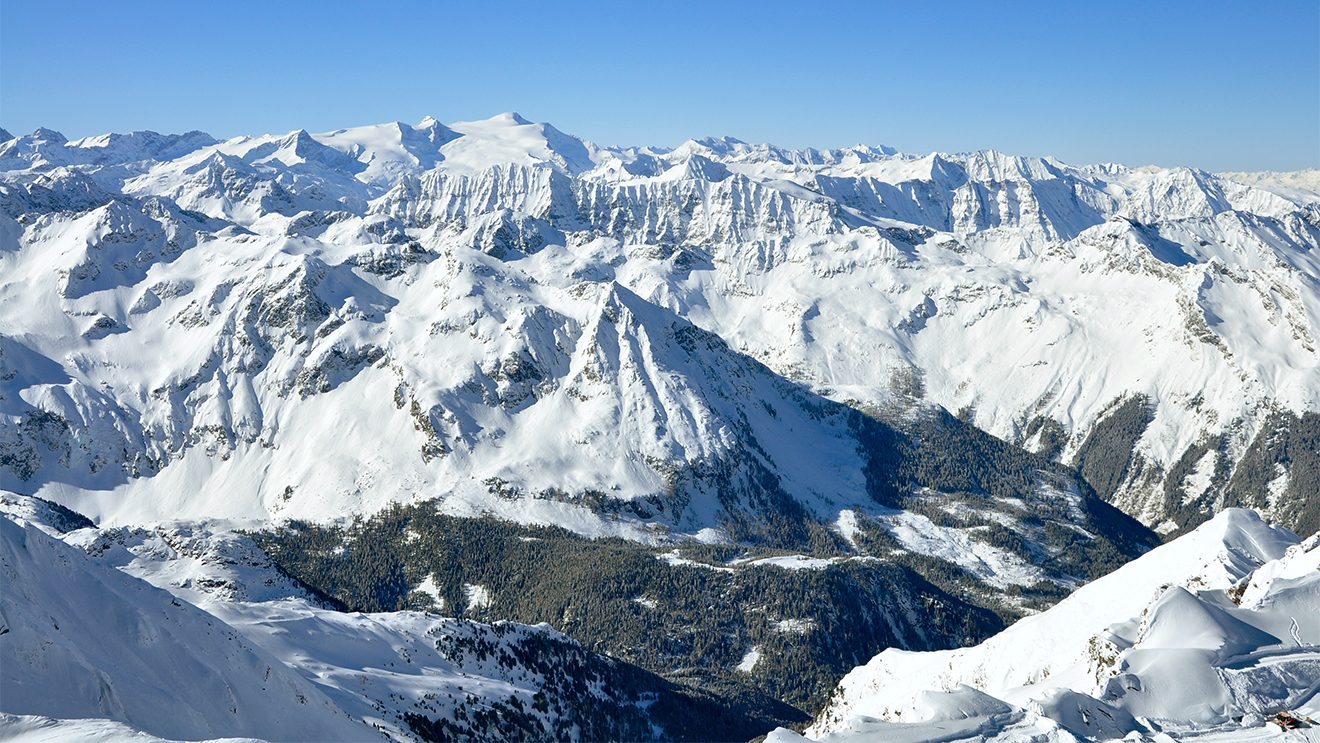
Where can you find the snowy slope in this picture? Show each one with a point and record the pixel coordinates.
(403, 676)
(1301, 185)
(41, 729)
(81, 640)
(1212, 632)
(495, 310)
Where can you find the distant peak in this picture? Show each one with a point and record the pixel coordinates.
(716, 145)
(874, 150)
(217, 161)
(719, 141)
(428, 122)
(49, 135)
(701, 168)
(511, 117)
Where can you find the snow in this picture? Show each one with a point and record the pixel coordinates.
(136, 662)
(363, 659)
(41, 729)
(792, 562)
(84, 640)
(794, 626)
(476, 596)
(674, 557)
(750, 659)
(847, 526)
(1161, 639)
(509, 138)
(1199, 479)
(1300, 561)
(315, 325)
(961, 714)
(1278, 486)
(990, 564)
(428, 587)
(1300, 185)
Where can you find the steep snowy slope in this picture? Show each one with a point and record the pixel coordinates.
(1213, 632)
(422, 677)
(80, 640)
(495, 310)
(41, 729)
(393, 675)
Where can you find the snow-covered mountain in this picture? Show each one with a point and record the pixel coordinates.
(890, 398)
(525, 323)
(81, 640)
(1207, 636)
(181, 632)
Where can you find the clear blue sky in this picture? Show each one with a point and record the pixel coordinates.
(1219, 85)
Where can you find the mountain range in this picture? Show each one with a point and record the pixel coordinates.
(469, 288)
(734, 416)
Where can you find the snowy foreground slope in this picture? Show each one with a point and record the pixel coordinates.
(615, 339)
(83, 640)
(184, 633)
(1204, 638)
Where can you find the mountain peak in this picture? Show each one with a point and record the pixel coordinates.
(715, 146)
(509, 117)
(719, 143)
(698, 167)
(509, 139)
(298, 137)
(42, 134)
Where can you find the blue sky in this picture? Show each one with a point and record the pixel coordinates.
(1219, 85)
